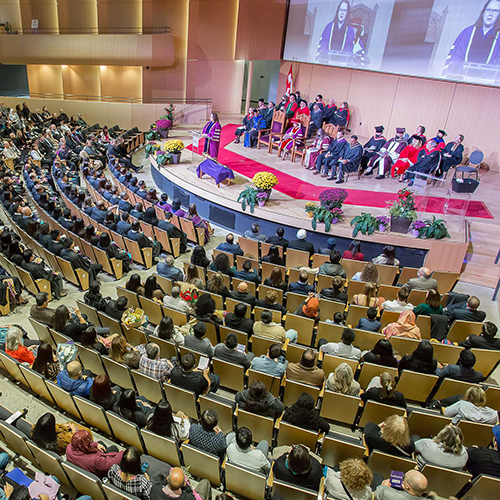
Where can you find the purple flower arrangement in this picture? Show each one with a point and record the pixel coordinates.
(383, 222)
(331, 198)
(163, 124)
(417, 227)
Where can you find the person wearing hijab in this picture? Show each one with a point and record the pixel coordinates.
(91, 456)
(309, 308)
(404, 327)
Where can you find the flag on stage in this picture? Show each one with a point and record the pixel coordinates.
(289, 82)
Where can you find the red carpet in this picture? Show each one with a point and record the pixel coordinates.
(301, 190)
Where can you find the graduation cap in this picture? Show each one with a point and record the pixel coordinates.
(379, 129)
(400, 130)
(442, 132)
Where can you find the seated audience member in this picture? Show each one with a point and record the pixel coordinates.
(368, 297)
(301, 243)
(387, 257)
(128, 475)
(193, 379)
(445, 450)
(216, 285)
(257, 399)
(176, 302)
(273, 256)
(385, 393)
(351, 482)
(483, 460)
(230, 246)
(303, 413)
(15, 347)
(192, 277)
(463, 370)
(103, 394)
(381, 354)
(162, 422)
(72, 380)
(91, 456)
(299, 468)
(463, 307)
(199, 257)
(306, 370)
(472, 407)
(369, 274)
(237, 320)
(247, 273)
(174, 232)
(279, 239)
(354, 251)
(196, 342)
(116, 308)
(123, 226)
(400, 304)
(344, 348)
(485, 340)
(242, 294)
(432, 304)
(207, 436)
(333, 268)
(421, 360)
(228, 351)
(123, 353)
(391, 436)
(240, 451)
(79, 261)
(152, 365)
(270, 302)
(133, 408)
(370, 323)
(423, 281)
(166, 330)
(167, 269)
(38, 271)
(41, 311)
(254, 233)
(268, 329)
(51, 436)
(94, 298)
(405, 327)
(272, 363)
(92, 340)
(302, 286)
(342, 381)
(336, 291)
(177, 486)
(222, 265)
(414, 486)
(46, 363)
(113, 251)
(205, 310)
(276, 280)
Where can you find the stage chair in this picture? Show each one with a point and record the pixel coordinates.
(427, 425)
(389, 292)
(50, 463)
(378, 412)
(327, 308)
(267, 269)
(304, 327)
(293, 390)
(179, 318)
(299, 145)
(448, 354)
(476, 433)
(226, 279)
(416, 386)
(486, 361)
(293, 301)
(250, 247)
(331, 362)
(337, 447)
(182, 399)
(406, 274)
(450, 387)
(388, 317)
(354, 288)
(293, 276)
(329, 331)
(90, 360)
(339, 407)
(245, 483)
(484, 487)
(446, 280)
(271, 382)
(125, 431)
(352, 267)
(370, 370)
(261, 427)
(294, 353)
(162, 448)
(223, 407)
(354, 314)
(36, 383)
(231, 375)
(258, 311)
(425, 324)
(383, 463)
(93, 414)
(277, 128)
(297, 258)
(252, 287)
(448, 482)
(288, 490)
(83, 480)
(147, 387)
(289, 434)
(118, 373)
(202, 464)
(260, 345)
(387, 274)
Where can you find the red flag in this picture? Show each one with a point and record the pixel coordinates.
(289, 82)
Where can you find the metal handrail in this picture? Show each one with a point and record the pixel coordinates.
(132, 30)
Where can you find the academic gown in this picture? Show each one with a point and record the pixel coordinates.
(387, 155)
(372, 147)
(251, 136)
(335, 38)
(409, 153)
(426, 162)
(212, 142)
(174, 232)
(455, 159)
(78, 261)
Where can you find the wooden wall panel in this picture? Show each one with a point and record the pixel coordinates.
(121, 81)
(45, 79)
(119, 16)
(260, 29)
(331, 84)
(10, 11)
(43, 10)
(81, 80)
(77, 16)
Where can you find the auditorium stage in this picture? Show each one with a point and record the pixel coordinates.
(298, 185)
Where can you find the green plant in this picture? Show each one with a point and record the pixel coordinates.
(162, 158)
(152, 135)
(150, 148)
(404, 206)
(434, 228)
(248, 197)
(310, 207)
(364, 224)
(325, 215)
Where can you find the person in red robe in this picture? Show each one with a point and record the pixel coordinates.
(291, 106)
(407, 158)
(302, 110)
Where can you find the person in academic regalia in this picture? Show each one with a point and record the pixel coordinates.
(373, 146)
(329, 111)
(247, 120)
(327, 160)
(338, 34)
(387, 155)
(316, 119)
(407, 158)
(296, 131)
(439, 139)
(301, 110)
(420, 134)
(251, 136)
(212, 141)
(318, 101)
(478, 43)
(320, 145)
(349, 161)
(341, 116)
(291, 106)
(428, 160)
(452, 155)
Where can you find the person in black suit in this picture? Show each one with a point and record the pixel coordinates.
(301, 244)
(173, 231)
(44, 235)
(278, 239)
(123, 226)
(123, 204)
(135, 234)
(485, 340)
(79, 261)
(463, 307)
(38, 271)
(55, 245)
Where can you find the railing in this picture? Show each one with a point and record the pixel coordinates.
(145, 30)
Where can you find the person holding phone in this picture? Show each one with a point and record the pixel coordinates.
(413, 485)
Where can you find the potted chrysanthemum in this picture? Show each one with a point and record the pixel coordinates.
(174, 147)
(264, 182)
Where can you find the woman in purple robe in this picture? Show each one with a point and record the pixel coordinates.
(295, 132)
(212, 130)
(199, 222)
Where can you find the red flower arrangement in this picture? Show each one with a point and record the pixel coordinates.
(190, 296)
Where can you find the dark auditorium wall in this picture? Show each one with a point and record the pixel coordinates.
(13, 80)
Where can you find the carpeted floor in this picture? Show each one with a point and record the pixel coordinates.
(302, 190)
